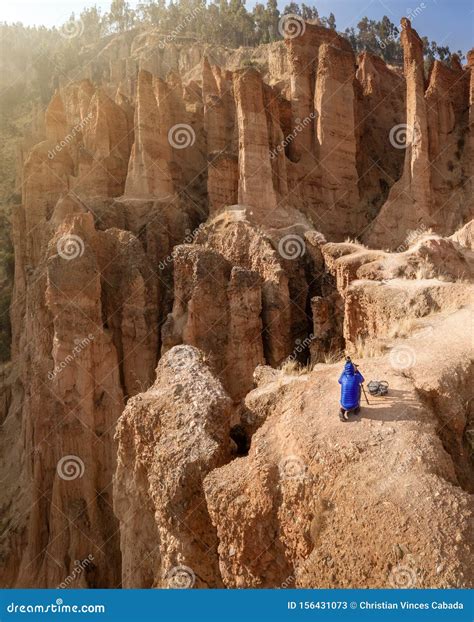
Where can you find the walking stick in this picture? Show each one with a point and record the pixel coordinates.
(365, 395)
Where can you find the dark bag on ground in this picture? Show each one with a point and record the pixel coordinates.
(378, 387)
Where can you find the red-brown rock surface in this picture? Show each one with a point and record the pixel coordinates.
(358, 505)
(434, 189)
(169, 438)
(149, 172)
(189, 212)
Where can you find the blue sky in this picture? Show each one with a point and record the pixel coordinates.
(449, 22)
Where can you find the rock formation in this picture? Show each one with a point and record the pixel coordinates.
(149, 172)
(169, 438)
(221, 133)
(380, 106)
(335, 133)
(255, 171)
(299, 511)
(433, 191)
(303, 52)
(217, 309)
(180, 237)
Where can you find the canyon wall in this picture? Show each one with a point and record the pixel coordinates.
(174, 234)
(435, 187)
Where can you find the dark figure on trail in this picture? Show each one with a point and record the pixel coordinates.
(350, 380)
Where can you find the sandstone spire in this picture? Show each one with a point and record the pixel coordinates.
(303, 52)
(55, 119)
(69, 420)
(255, 171)
(417, 164)
(335, 133)
(221, 133)
(104, 160)
(159, 495)
(409, 204)
(470, 136)
(149, 173)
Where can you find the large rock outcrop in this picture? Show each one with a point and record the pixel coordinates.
(336, 134)
(373, 293)
(221, 136)
(176, 197)
(149, 172)
(71, 402)
(368, 511)
(169, 438)
(433, 191)
(217, 308)
(380, 106)
(256, 187)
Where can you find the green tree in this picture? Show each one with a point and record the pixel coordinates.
(94, 26)
(273, 17)
(120, 17)
(309, 12)
(152, 11)
(331, 21)
(259, 15)
(292, 9)
(388, 38)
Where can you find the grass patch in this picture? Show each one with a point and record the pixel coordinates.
(424, 270)
(367, 348)
(293, 368)
(333, 357)
(354, 241)
(404, 327)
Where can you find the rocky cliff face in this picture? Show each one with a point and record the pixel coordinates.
(169, 438)
(436, 156)
(182, 226)
(299, 512)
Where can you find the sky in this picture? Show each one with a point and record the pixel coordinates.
(448, 22)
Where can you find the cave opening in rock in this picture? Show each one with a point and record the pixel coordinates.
(325, 315)
(241, 439)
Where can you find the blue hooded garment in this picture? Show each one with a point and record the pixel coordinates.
(350, 382)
